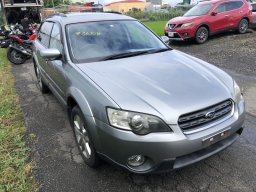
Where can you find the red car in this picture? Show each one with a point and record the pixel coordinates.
(210, 17)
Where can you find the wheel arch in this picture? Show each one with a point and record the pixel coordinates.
(76, 97)
(245, 17)
(206, 26)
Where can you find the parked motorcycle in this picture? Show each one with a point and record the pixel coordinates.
(7, 30)
(20, 50)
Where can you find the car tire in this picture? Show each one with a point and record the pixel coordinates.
(202, 35)
(243, 26)
(83, 138)
(42, 86)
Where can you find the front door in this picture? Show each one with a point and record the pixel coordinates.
(58, 65)
(220, 21)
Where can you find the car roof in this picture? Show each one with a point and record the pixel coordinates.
(214, 1)
(86, 17)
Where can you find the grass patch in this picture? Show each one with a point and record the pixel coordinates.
(156, 26)
(15, 168)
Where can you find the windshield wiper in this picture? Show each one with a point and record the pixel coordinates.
(135, 53)
(159, 50)
(123, 55)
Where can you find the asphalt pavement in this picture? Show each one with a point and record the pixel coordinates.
(60, 167)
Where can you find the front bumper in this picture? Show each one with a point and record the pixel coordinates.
(180, 34)
(166, 151)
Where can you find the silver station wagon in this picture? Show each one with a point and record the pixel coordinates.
(130, 98)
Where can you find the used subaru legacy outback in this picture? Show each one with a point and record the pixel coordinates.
(130, 98)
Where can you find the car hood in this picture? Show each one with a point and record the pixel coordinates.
(182, 20)
(165, 84)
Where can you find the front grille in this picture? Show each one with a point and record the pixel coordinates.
(173, 26)
(205, 116)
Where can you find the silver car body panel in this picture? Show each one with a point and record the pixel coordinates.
(158, 84)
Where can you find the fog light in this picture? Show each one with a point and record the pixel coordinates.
(136, 160)
(185, 34)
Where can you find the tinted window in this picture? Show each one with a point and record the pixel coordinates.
(229, 6)
(44, 33)
(199, 10)
(234, 5)
(55, 41)
(221, 8)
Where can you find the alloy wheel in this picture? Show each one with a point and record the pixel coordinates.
(82, 137)
(202, 35)
(39, 78)
(243, 26)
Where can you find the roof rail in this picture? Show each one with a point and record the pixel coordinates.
(56, 14)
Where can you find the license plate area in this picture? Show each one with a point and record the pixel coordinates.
(215, 138)
(171, 34)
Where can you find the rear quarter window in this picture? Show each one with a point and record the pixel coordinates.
(234, 5)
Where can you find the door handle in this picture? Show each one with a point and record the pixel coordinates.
(226, 15)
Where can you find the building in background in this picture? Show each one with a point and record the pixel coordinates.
(126, 6)
(88, 7)
(165, 2)
(155, 3)
(15, 10)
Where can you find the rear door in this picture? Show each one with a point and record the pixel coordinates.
(235, 12)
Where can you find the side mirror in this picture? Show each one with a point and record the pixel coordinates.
(50, 54)
(165, 39)
(214, 13)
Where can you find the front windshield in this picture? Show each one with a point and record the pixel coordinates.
(199, 10)
(94, 41)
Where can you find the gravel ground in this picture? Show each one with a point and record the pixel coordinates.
(230, 51)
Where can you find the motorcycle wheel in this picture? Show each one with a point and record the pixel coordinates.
(16, 57)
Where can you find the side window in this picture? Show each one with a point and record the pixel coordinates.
(234, 5)
(55, 41)
(44, 33)
(221, 8)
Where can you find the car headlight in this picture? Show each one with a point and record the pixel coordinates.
(237, 92)
(138, 123)
(187, 25)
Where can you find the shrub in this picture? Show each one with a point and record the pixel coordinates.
(155, 16)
